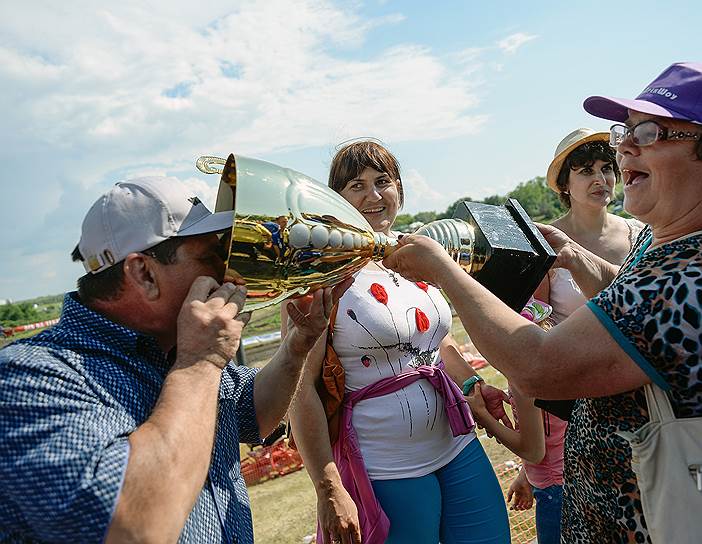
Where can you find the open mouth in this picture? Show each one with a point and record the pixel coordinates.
(371, 211)
(633, 177)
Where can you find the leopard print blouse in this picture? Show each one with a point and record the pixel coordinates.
(653, 309)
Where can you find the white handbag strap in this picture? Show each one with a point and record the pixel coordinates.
(659, 408)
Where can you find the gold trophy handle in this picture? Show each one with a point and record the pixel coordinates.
(210, 165)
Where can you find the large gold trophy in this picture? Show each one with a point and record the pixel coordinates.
(291, 235)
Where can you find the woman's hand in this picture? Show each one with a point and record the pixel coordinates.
(338, 517)
(419, 258)
(308, 317)
(560, 242)
(485, 403)
(521, 491)
(478, 408)
(494, 399)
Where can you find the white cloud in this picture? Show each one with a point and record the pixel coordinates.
(113, 85)
(206, 192)
(144, 171)
(96, 94)
(420, 196)
(470, 56)
(511, 43)
(27, 67)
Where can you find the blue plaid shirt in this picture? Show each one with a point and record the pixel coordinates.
(69, 398)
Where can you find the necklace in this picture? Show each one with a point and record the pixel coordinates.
(391, 273)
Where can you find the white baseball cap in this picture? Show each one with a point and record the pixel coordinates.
(136, 215)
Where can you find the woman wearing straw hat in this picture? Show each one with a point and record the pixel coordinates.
(583, 173)
(638, 335)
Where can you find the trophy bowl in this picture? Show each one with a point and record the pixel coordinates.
(291, 234)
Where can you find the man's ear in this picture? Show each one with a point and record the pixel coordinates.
(140, 272)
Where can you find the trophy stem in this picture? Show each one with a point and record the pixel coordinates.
(383, 246)
(458, 239)
(455, 235)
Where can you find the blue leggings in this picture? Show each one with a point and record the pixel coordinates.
(460, 503)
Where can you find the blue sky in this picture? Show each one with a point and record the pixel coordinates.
(471, 96)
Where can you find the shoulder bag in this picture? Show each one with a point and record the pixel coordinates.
(667, 460)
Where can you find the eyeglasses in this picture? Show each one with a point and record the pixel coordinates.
(647, 133)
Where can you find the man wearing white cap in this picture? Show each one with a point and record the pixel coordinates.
(122, 422)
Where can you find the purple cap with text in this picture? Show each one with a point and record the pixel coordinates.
(676, 93)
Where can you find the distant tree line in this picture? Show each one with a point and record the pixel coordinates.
(46, 300)
(540, 202)
(19, 314)
(30, 311)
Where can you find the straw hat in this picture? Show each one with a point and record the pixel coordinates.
(569, 143)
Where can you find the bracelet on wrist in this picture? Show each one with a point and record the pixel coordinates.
(470, 383)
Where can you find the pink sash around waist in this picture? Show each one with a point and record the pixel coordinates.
(375, 525)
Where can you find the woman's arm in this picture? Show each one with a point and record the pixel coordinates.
(528, 441)
(577, 358)
(590, 272)
(276, 383)
(336, 510)
(459, 371)
(455, 365)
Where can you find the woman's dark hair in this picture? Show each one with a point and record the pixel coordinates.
(584, 155)
(354, 158)
(107, 284)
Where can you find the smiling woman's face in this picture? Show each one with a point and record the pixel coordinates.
(376, 196)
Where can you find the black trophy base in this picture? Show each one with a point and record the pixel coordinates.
(517, 256)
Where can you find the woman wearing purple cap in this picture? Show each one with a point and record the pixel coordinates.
(584, 173)
(641, 325)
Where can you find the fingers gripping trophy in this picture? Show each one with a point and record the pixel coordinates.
(292, 234)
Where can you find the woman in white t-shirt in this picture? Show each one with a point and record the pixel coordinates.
(432, 486)
(583, 173)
